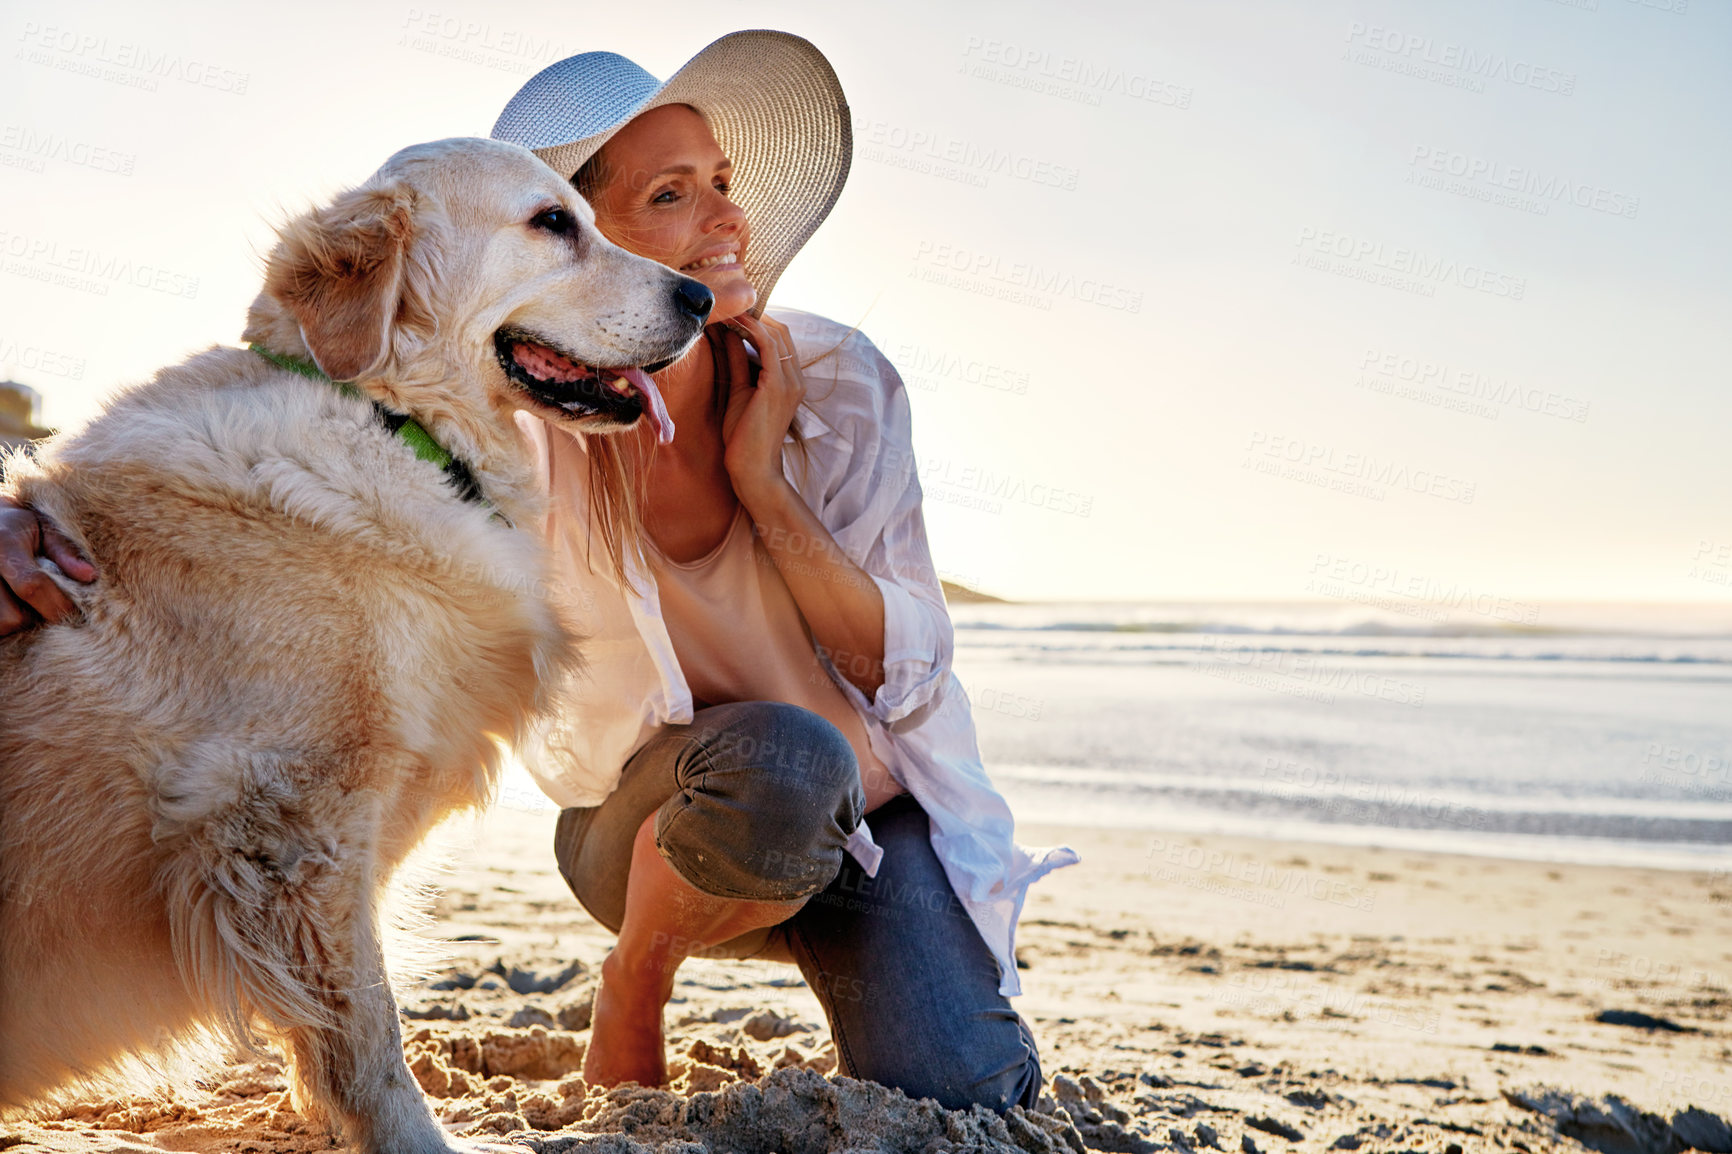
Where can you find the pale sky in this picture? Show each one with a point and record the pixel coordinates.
(1193, 299)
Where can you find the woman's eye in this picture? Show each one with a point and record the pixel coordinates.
(554, 220)
(724, 187)
(666, 196)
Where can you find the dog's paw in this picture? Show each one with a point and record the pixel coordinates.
(491, 1144)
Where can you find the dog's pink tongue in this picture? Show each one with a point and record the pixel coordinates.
(655, 408)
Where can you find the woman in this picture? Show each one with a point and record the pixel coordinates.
(770, 757)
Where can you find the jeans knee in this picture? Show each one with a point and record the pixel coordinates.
(783, 753)
(776, 793)
(997, 1071)
(1020, 1087)
(1018, 1083)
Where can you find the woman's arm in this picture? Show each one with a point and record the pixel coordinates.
(841, 602)
(26, 593)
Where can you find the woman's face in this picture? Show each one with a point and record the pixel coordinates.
(666, 198)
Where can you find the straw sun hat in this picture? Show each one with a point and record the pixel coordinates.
(770, 98)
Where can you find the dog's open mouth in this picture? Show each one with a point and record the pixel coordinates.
(621, 394)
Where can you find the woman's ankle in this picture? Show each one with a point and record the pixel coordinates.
(639, 978)
(626, 1040)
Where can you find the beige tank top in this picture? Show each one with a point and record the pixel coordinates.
(740, 636)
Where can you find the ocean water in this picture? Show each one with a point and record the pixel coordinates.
(1567, 733)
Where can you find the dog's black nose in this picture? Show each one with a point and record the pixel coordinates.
(694, 299)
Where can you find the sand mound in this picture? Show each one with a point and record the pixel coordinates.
(799, 1111)
(1613, 1126)
(524, 1083)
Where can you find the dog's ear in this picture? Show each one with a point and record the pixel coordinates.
(339, 272)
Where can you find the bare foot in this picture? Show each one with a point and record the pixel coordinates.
(625, 1040)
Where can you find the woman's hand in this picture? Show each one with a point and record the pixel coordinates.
(26, 593)
(757, 417)
(840, 602)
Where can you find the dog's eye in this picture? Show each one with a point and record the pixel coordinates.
(554, 220)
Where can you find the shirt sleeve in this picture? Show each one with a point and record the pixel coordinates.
(919, 641)
(872, 506)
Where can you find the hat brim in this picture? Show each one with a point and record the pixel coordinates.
(778, 112)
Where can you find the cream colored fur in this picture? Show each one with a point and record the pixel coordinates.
(303, 650)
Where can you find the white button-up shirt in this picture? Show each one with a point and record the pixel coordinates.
(860, 480)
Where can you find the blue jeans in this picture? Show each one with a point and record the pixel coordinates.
(753, 801)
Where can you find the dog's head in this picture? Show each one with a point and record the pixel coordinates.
(466, 280)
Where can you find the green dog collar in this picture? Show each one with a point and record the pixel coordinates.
(407, 428)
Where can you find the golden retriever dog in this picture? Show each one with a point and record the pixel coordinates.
(321, 613)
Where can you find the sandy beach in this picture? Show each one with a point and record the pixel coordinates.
(1189, 993)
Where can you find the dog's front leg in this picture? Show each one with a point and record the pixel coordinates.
(352, 1066)
(341, 1022)
(276, 920)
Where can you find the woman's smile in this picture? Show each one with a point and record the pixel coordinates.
(720, 260)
